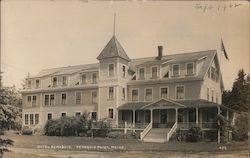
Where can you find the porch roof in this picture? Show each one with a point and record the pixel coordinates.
(198, 103)
(133, 106)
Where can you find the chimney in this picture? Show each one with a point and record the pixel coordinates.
(160, 48)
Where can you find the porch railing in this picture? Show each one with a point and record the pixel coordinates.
(145, 131)
(132, 125)
(163, 125)
(202, 125)
(171, 131)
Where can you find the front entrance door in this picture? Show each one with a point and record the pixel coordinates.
(163, 116)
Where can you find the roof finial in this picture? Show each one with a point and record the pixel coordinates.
(114, 25)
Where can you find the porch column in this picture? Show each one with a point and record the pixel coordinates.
(197, 116)
(219, 125)
(176, 115)
(134, 118)
(151, 115)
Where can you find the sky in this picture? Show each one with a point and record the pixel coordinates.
(40, 34)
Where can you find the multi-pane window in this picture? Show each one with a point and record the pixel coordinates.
(52, 99)
(29, 83)
(135, 95)
(64, 80)
(208, 94)
(123, 94)
(64, 98)
(154, 72)
(124, 71)
(111, 69)
(46, 100)
(176, 70)
(78, 97)
(49, 116)
(164, 92)
(54, 81)
(26, 119)
(29, 100)
(36, 119)
(37, 83)
(190, 68)
(111, 113)
(84, 78)
(31, 119)
(63, 114)
(94, 115)
(148, 94)
(141, 73)
(180, 92)
(34, 100)
(94, 77)
(94, 97)
(111, 92)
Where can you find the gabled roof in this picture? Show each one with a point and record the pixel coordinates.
(113, 49)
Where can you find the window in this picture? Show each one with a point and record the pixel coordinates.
(94, 78)
(124, 71)
(64, 97)
(111, 113)
(36, 119)
(141, 73)
(64, 80)
(123, 94)
(154, 72)
(29, 83)
(34, 101)
(84, 78)
(31, 119)
(26, 119)
(212, 96)
(111, 69)
(49, 116)
(94, 97)
(135, 96)
(52, 99)
(94, 115)
(78, 114)
(46, 100)
(29, 100)
(217, 98)
(54, 81)
(148, 94)
(78, 97)
(190, 68)
(207, 93)
(111, 92)
(176, 70)
(164, 92)
(37, 83)
(180, 92)
(63, 114)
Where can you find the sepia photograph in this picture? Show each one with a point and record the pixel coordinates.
(124, 78)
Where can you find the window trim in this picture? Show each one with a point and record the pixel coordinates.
(160, 92)
(92, 97)
(86, 80)
(124, 93)
(114, 92)
(51, 115)
(113, 113)
(35, 118)
(187, 69)
(92, 81)
(63, 112)
(62, 99)
(53, 81)
(151, 72)
(173, 70)
(75, 97)
(125, 74)
(184, 91)
(66, 80)
(39, 83)
(29, 80)
(96, 115)
(132, 94)
(49, 99)
(144, 74)
(113, 70)
(28, 122)
(145, 94)
(77, 112)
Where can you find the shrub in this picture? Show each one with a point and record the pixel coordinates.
(103, 128)
(27, 131)
(117, 135)
(194, 134)
(240, 129)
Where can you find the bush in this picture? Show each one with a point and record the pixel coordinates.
(103, 128)
(117, 135)
(194, 134)
(240, 129)
(27, 131)
(212, 135)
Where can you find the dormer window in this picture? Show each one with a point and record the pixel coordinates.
(94, 78)
(190, 68)
(37, 83)
(154, 72)
(64, 80)
(141, 73)
(176, 70)
(54, 81)
(123, 71)
(111, 69)
(29, 84)
(84, 78)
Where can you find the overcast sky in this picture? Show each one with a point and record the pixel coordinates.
(39, 34)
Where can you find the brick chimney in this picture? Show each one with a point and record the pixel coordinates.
(160, 48)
